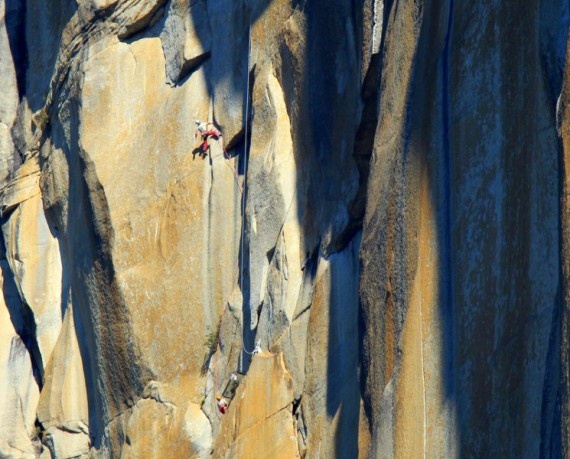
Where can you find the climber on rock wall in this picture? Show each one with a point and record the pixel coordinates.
(222, 404)
(204, 133)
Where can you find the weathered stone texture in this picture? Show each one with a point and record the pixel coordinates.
(19, 392)
(384, 214)
(186, 38)
(63, 405)
(260, 421)
(460, 252)
(34, 256)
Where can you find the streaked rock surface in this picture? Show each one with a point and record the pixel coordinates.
(384, 215)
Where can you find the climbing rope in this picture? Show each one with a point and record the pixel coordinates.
(245, 158)
(243, 192)
(256, 349)
(244, 188)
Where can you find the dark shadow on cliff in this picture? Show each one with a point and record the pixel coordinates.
(113, 374)
(485, 189)
(35, 46)
(363, 149)
(22, 319)
(15, 20)
(342, 385)
(324, 96)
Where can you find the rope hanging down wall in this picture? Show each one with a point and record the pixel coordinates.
(241, 266)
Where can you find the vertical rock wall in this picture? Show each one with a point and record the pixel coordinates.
(138, 285)
(460, 282)
(384, 216)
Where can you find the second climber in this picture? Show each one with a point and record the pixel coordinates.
(222, 404)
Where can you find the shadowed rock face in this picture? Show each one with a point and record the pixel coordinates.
(384, 214)
(460, 283)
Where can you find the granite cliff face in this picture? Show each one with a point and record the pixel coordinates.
(461, 280)
(385, 215)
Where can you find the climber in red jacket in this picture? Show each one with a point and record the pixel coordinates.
(203, 131)
(222, 404)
